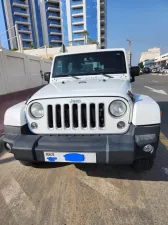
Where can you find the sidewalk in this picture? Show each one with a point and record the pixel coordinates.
(9, 100)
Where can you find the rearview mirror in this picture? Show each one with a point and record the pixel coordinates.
(135, 71)
(47, 76)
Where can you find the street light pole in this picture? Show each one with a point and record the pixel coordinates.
(129, 49)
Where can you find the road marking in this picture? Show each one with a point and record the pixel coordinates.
(18, 202)
(157, 91)
(155, 81)
(164, 140)
(111, 192)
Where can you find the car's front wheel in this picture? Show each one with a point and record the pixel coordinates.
(141, 165)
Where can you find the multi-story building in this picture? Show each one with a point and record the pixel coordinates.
(150, 54)
(51, 19)
(82, 16)
(26, 15)
(53, 22)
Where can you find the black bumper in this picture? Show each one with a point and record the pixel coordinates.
(113, 149)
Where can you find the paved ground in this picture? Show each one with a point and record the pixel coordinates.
(90, 194)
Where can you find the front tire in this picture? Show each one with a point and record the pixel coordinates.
(25, 163)
(141, 165)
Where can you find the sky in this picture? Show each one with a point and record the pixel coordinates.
(144, 21)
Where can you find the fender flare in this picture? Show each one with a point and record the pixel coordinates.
(15, 115)
(145, 111)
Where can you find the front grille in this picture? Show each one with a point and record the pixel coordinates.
(76, 116)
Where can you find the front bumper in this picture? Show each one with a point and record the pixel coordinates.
(113, 149)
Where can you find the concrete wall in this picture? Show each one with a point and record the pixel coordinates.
(20, 72)
(51, 52)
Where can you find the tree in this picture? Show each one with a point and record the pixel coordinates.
(85, 33)
(141, 66)
(91, 41)
(32, 45)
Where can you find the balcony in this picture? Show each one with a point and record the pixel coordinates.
(102, 21)
(53, 1)
(78, 31)
(103, 37)
(54, 17)
(54, 25)
(27, 39)
(52, 9)
(103, 45)
(77, 6)
(79, 39)
(77, 14)
(78, 23)
(56, 41)
(102, 12)
(24, 31)
(19, 4)
(102, 4)
(21, 14)
(55, 33)
(22, 22)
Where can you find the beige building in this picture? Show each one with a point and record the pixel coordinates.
(150, 54)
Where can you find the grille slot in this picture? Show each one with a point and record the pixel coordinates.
(83, 116)
(92, 116)
(50, 116)
(58, 116)
(101, 115)
(75, 115)
(66, 116)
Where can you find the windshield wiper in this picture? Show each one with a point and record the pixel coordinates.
(67, 75)
(106, 75)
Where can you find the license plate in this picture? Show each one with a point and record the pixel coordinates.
(72, 157)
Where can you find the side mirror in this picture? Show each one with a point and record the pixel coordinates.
(135, 71)
(132, 79)
(47, 76)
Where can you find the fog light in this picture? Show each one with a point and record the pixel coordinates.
(34, 125)
(148, 148)
(120, 125)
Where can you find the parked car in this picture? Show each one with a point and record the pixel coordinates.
(86, 114)
(146, 70)
(154, 70)
(165, 70)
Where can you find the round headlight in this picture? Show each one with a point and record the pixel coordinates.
(36, 110)
(117, 108)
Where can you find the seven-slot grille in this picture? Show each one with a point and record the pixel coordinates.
(76, 116)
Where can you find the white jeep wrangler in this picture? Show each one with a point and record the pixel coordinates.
(86, 114)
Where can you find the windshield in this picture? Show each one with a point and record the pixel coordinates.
(90, 63)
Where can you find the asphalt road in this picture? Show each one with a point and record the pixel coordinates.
(90, 194)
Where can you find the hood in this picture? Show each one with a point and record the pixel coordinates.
(82, 88)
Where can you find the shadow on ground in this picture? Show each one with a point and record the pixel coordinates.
(157, 173)
(7, 160)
